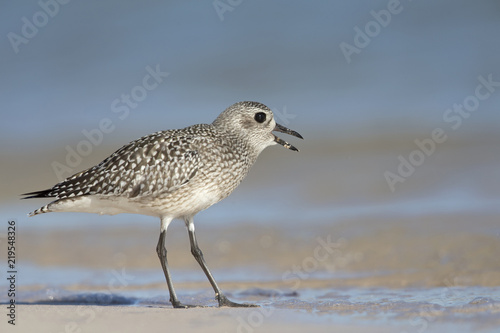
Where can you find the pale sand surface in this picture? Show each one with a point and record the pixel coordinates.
(421, 259)
(384, 311)
(54, 318)
(382, 276)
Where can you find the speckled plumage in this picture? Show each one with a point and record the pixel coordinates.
(172, 174)
(146, 172)
(161, 173)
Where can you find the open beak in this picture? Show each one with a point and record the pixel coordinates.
(283, 129)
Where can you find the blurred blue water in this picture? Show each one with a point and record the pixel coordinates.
(283, 53)
(287, 55)
(287, 212)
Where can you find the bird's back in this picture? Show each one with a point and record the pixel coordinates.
(174, 172)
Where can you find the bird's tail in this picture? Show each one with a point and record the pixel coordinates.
(39, 194)
(41, 210)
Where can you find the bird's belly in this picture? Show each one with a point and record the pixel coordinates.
(186, 203)
(104, 205)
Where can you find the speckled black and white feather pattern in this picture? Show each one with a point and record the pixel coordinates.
(153, 166)
(172, 173)
(159, 162)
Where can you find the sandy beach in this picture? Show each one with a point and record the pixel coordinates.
(53, 318)
(437, 280)
(386, 220)
(415, 262)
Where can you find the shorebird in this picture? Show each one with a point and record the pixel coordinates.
(173, 174)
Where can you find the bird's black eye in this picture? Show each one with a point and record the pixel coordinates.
(260, 117)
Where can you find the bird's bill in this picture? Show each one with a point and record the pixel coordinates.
(283, 129)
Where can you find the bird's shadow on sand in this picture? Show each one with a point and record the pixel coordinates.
(110, 299)
(95, 299)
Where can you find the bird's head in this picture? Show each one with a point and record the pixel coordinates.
(253, 122)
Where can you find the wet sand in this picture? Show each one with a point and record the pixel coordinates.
(346, 310)
(53, 318)
(434, 251)
(329, 249)
(389, 278)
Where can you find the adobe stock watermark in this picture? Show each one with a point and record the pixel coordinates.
(421, 320)
(223, 6)
(121, 107)
(363, 37)
(452, 117)
(283, 117)
(330, 254)
(119, 281)
(31, 26)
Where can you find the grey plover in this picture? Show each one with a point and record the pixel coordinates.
(173, 174)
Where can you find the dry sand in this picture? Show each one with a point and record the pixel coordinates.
(67, 318)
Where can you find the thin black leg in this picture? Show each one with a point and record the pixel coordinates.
(198, 255)
(161, 250)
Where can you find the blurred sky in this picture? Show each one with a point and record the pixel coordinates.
(65, 76)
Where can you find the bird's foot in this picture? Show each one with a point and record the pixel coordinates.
(178, 305)
(224, 301)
